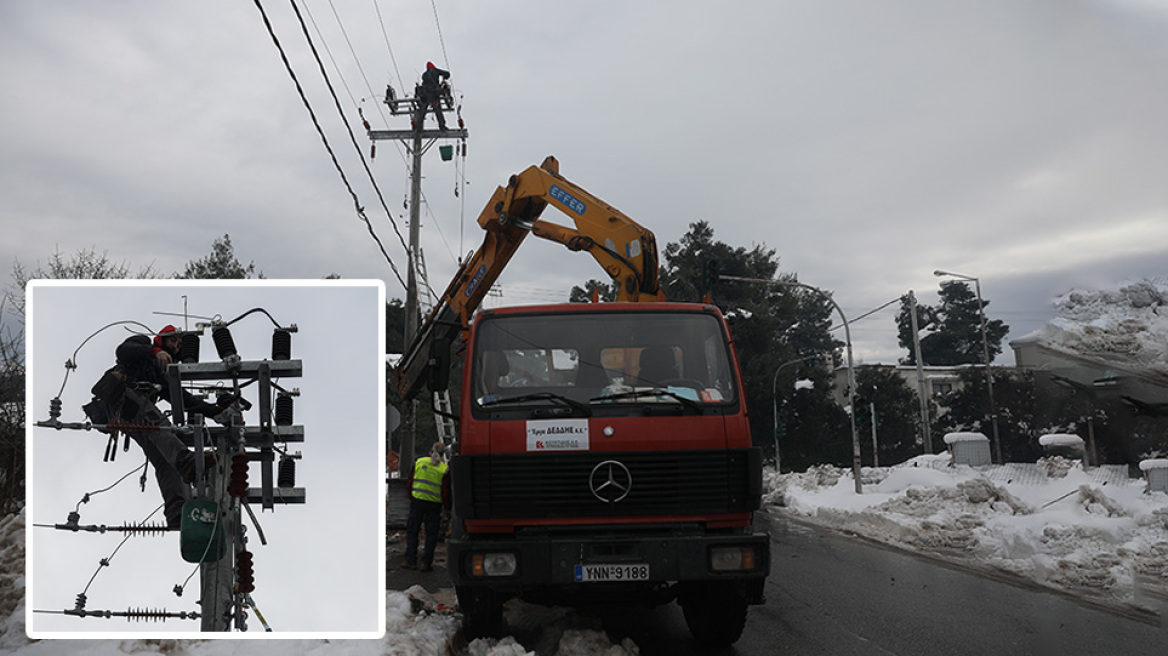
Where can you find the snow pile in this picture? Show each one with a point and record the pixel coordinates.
(1092, 532)
(1126, 325)
(12, 582)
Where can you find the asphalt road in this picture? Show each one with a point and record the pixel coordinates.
(832, 594)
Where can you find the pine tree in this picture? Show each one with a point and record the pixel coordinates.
(954, 329)
(221, 264)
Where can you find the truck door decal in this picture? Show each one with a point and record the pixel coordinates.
(557, 435)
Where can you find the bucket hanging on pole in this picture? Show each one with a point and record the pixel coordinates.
(447, 153)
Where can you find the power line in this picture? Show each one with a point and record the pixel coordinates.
(324, 139)
(345, 33)
(438, 24)
(348, 128)
(385, 34)
(327, 49)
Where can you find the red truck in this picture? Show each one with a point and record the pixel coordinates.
(604, 454)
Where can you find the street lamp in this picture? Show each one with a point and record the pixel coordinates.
(985, 351)
(851, 366)
(775, 400)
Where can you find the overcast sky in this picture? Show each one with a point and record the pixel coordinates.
(322, 568)
(868, 143)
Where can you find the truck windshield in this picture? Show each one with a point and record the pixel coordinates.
(604, 358)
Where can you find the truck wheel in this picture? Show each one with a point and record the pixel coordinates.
(714, 612)
(482, 612)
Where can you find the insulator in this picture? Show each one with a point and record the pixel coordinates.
(366, 124)
(143, 529)
(286, 473)
(224, 344)
(147, 614)
(460, 123)
(284, 410)
(188, 350)
(464, 149)
(55, 408)
(244, 572)
(281, 345)
(237, 484)
(80, 602)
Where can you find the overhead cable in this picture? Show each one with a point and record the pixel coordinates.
(324, 140)
(385, 34)
(345, 33)
(441, 41)
(348, 128)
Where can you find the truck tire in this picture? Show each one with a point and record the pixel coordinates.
(482, 612)
(715, 612)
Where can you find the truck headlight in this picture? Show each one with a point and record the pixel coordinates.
(493, 564)
(732, 559)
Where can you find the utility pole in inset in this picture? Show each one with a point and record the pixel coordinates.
(418, 141)
(213, 532)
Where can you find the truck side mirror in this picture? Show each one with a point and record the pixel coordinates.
(439, 364)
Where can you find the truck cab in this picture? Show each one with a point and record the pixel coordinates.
(604, 456)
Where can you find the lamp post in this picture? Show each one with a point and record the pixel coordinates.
(985, 351)
(775, 401)
(851, 366)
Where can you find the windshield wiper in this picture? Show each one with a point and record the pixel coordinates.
(656, 392)
(540, 396)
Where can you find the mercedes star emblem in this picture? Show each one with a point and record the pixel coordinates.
(610, 481)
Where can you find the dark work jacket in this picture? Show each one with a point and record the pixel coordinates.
(136, 360)
(430, 80)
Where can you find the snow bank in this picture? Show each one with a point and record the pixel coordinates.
(1092, 532)
(1128, 325)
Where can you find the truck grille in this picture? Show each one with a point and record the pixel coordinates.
(662, 483)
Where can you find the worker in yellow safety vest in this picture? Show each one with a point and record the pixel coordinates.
(429, 494)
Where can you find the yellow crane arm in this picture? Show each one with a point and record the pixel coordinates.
(624, 249)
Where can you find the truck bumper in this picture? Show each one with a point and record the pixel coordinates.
(655, 562)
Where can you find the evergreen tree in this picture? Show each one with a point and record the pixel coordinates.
(897, 415)
(772, 325)
(221, 264)
(85, 264)
(1019, 424)
(953, 326)
(607, 291)
(395, 326)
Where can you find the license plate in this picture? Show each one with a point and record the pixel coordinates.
(623, 572)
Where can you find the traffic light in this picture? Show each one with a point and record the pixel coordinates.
(710, 274)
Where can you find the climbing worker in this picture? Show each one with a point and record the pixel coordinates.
(430, 95)
(126, 396)
(429, 493)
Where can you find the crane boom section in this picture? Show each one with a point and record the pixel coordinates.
(624, 249)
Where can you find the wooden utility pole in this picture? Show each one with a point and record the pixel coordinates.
(417, 141)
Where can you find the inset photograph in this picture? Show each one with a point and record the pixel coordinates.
(205, 459)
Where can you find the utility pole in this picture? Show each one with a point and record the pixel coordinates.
(213, 533)
(418, 141)
(927, 431)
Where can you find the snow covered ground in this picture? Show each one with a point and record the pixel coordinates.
(1095, 533)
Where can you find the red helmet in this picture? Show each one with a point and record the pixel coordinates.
(429, 65)
(165, 331)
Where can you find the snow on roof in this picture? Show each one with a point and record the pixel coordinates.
(1060, 439)
(950, 438)
(1155, 463)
